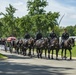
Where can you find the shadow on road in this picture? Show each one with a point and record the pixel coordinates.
(12, 68)
(18, 57)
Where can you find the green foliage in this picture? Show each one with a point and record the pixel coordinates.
(52, 19)
(36, 19)
(9, 20)
(36, 6)
(70, 30)
(57, 30)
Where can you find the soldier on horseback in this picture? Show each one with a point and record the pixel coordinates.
(38, 35)
(64, 36)
(52, 36)
(53, 44)
(27, 35)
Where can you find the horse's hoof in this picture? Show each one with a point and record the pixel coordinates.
(56, 58)
(38, 56)
(65, 58)
(48, 57)
(41, 57)
(5, 50)
(52, 58)
(70, 58)
(30, 56)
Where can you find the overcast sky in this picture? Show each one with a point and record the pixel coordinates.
(67, 7)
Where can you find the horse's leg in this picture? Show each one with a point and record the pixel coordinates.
(62, 53)
(65, 54)
(40, 53)
(21, 50)
(30, 51)
(10, 48)
(33, 50)
(37, 52)
(70, 54)
(52, 54)
(45, 52)
(24, 51)
(18, 50)
(5, 48)
(48, 53)
(57, 50)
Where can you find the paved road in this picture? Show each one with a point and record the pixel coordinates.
(24, 65)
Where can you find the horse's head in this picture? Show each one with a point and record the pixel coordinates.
(71, 41)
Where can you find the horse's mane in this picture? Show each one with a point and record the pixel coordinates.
(69, 41)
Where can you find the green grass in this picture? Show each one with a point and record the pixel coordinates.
(74, 51)
(67, 52)
(3, 56)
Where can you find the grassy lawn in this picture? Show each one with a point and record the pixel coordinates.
(68, 54)
(73, 51)
(2, 56)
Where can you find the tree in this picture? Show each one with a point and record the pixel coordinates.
(57, 30)
(1, 25)
(9, 19)
(37, 19)
(26, 24)
(36, 6)
(74, 30)
(70, 30)
(42, 20)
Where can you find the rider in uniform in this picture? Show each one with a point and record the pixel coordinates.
(27, 35)
(53, 35)
(38, 35)
(64, 36)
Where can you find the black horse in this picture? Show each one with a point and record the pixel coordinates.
(45, 46)
(17, 45)
(24, 46)
(38, 46)
(31, 42)
(41, 45)
(9, 45)
(53, 45)
(67, 45)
